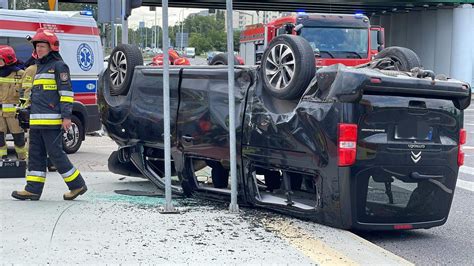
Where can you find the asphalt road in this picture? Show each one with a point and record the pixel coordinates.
(452, 243)
(118, 221)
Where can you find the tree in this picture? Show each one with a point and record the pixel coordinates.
(42, 4)
(206, 32)
(200, 42)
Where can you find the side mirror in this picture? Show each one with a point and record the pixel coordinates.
(289, 28)
(298, 28)
(317, 53)
(380, 38)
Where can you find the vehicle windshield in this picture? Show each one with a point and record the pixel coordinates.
(189, 50)
(337, 42)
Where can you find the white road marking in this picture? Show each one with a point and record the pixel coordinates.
(465, 185)
(468, 185)
(468, 147)
(467, 170)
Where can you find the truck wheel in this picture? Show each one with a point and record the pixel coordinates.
(403, 58)
(122, 63)
(288, 66)
(72, 139)
(221, 59)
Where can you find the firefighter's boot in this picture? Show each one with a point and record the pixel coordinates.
(3, 152)
(25, 195)
(21, 152)
(72, 194)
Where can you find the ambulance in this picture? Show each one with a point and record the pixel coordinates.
(81, 49)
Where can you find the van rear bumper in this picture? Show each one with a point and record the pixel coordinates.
(402, 226)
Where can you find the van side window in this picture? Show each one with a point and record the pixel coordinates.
(21, 46)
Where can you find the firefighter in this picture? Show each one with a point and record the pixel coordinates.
(27, 84)
(51, 108)
(11, 72)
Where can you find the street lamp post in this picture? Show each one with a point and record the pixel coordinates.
(182, 26)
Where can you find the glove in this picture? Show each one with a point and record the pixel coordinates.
(23, 116)
(24, 103)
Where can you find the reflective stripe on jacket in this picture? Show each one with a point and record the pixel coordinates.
(51, 94)
(9, 93)
(27, 82)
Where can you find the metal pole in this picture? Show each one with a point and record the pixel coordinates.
(182, 25)
(56, 6)
(116, 35)
(166, 106)
(265, 35)
(233, 207)
(14, 4)
(112, 22)
(156, 33)
(124, 24)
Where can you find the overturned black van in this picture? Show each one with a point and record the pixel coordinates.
(373, 147)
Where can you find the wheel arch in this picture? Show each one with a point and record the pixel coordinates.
(80, 111)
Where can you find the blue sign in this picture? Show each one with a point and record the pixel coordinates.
(85, 57)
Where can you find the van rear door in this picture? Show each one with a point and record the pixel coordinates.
(408, 142)
(407, 159)
(408, 149)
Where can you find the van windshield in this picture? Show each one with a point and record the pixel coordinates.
(338, 42)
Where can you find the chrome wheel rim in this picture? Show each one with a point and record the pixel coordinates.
(71, 136)
(280, 66)
(118, 68)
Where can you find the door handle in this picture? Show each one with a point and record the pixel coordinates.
(187, 138)
(416, 175)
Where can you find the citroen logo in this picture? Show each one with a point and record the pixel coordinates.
(415, 157)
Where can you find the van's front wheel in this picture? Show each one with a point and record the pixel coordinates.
(122, 63)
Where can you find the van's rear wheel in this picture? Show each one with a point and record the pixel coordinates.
(288, 66)
(403, 58)
(122, 63)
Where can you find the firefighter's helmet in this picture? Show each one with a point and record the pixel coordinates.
(8, 55)
(46, 36)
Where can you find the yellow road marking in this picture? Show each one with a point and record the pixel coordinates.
(310, 246)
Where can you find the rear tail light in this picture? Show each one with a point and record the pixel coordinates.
(375, 80)
(402, 226)
(462, 136)
(347, 144)
(462, 141)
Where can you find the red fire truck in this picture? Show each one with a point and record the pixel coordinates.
(335, 38)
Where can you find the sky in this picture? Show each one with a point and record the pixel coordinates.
(144, 14)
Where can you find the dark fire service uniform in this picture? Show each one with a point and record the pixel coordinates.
(51, 101)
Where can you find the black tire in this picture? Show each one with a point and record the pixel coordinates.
(221, 59)
(219, 175)
(404, 59)
(277, 69)
(122, 63)
(72, 139)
